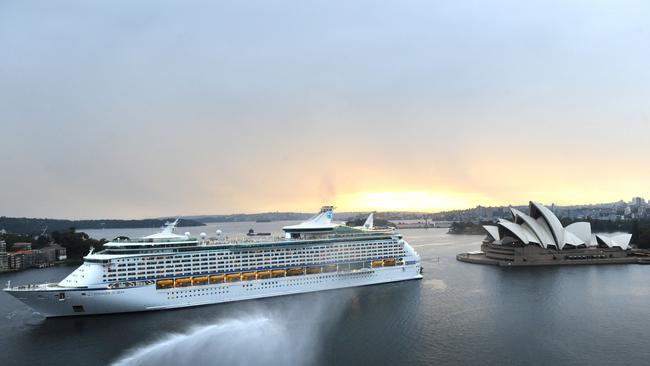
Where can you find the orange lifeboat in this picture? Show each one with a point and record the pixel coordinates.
(377, 264)
(183, 282)
(278, 273)
(313, 270)
(233, 277)
(248, 276)
(295, 271)
(217, 279)
(199, 281)
(163, 284)
(389, 262)
(263, 274)
(329, 269)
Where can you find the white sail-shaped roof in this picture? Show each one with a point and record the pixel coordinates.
(622, 241)
(537, 210)
(571, 239)
(582, 230)
(523, 234)
(493, 231)
(540, 231)
(544, 228)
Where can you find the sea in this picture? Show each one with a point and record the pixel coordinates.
(458, 314)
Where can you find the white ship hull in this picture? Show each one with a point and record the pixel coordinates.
(47, 300)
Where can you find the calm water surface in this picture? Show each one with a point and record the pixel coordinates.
(459, 314)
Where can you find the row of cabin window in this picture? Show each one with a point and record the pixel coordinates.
(235, 259)
(347, 255)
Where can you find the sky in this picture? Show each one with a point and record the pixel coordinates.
(122, 109)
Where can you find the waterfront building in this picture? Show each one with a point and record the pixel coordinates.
(167, 270)
(53, 252)
(4, 258)
(21, 246)
(61, 254)
(21, 259)
(49, 254)
(16, 260)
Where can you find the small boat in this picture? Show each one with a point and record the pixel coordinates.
(201, 280)
(295, 271)
(329, 269)
(248, 276)
(163, 284)
(313, 270)
(217, 279)
(183, 282)
(252, 232)
(389, 262)
(233, 277)
(278, 273)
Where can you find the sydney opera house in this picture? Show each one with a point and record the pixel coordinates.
(539, 237)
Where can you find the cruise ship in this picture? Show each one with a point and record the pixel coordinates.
(167, 270)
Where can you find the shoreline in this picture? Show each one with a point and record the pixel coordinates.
(481, 258)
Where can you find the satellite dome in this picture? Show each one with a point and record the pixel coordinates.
(203, 235)
(187, 233)
(218, 232)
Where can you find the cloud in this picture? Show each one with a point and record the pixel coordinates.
(217, 108)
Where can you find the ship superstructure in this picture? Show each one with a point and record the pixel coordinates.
(168, 270)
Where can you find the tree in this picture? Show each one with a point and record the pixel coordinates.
(643, 240)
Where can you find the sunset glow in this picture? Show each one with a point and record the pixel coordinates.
(405, 201)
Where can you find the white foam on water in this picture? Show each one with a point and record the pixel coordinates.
(434, 284)
(287, 336)
(255, 340)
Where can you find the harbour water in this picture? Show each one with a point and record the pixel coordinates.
(459, 314)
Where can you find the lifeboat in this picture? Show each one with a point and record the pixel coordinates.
(377, 264)
(357, 265)
(295, 271)
(217, 279)
(313, 270)
(248, 276)
(278, 273)
(329, 269)
(183, 282)
(162, 284)
(234, 277)
(389, 262)
(198, 281)
(263, 274)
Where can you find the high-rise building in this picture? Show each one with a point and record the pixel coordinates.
(637, 201)
(4, 259)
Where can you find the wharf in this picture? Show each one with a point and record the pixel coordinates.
(481, 258)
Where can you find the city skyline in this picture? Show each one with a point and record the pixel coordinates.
(164, 110)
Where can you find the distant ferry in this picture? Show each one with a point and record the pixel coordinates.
(167, 270)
